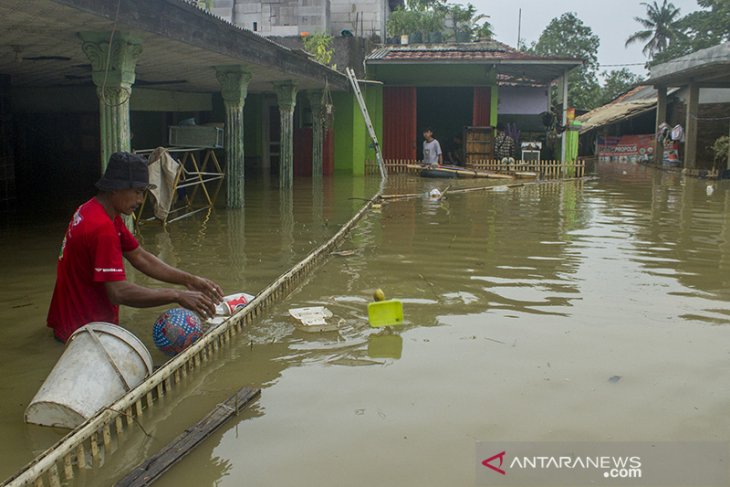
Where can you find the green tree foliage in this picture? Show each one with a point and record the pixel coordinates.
(568, 36)
(427, 16)
(701, 29)
(320, 46)
(721, 149)
(661, 28)
(616, 83)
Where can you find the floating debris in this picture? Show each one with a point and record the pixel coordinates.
(314, 319)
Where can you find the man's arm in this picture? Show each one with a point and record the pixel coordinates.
(152, 266)
(129, 294)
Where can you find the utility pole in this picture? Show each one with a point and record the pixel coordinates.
(519, 28)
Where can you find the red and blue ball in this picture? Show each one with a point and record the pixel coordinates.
(175, 330)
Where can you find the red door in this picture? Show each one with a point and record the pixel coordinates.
(399, 123)
(482, 108)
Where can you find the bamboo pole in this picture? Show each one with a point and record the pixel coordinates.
(74, 440)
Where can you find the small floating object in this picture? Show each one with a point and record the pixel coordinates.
(313, 319)
(233, 303)
(379, 295)
(710, 189)
(525, 175)
(384, 313)
(175, 330)
(343, 253)
(435, 194)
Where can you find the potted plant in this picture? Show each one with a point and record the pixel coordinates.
(433, 23)
(415, 26)
(396, 25)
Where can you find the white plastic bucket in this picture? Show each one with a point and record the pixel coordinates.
(101, 363)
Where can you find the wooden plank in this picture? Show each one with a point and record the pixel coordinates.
(153, 468)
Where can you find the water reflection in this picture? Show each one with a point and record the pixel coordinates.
(521, 303)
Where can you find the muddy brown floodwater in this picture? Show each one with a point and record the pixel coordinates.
(593, 310)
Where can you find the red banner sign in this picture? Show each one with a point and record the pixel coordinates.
(627, 148)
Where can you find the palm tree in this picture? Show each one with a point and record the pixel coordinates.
(660, 28)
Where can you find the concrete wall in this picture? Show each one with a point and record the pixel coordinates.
(350, 135)
(349, 51)
(275, 17)
(292, 17)
(363, 18)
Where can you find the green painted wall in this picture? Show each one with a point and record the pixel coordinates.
(434, 74)
(350, 135)
(374, 100)
(495, 106)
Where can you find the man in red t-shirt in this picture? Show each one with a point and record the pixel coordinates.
(91, 282)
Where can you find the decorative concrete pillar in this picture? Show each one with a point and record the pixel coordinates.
(690, 133)
(564, 119)
(661, 117)
(286, 95)
(234, 87)
(315, 102)
(112, 71)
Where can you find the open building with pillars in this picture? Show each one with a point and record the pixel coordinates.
(70, 98)
(450, 86)
(696, 74)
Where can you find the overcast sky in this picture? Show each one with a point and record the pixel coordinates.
(612, 20)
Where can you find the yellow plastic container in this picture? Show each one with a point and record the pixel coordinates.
(385, 313)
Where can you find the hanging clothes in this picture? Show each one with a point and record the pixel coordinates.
(678, 133)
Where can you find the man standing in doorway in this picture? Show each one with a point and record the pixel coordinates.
(91, 281)
(432, 154)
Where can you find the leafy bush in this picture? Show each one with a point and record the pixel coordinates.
(720, 150)
(320, 46)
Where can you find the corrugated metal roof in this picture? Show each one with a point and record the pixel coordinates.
(634, 102)
(454, 52)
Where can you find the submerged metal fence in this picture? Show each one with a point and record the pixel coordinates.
(547, 169)
(87, 444)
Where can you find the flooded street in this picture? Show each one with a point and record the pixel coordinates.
(589, 310)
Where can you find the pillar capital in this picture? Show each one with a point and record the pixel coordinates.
(112, 65)
(234, 81)
(286, 94)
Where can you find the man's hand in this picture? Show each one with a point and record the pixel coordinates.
(198, 302)
(212, 290)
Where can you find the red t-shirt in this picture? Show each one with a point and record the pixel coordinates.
(91, 254)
